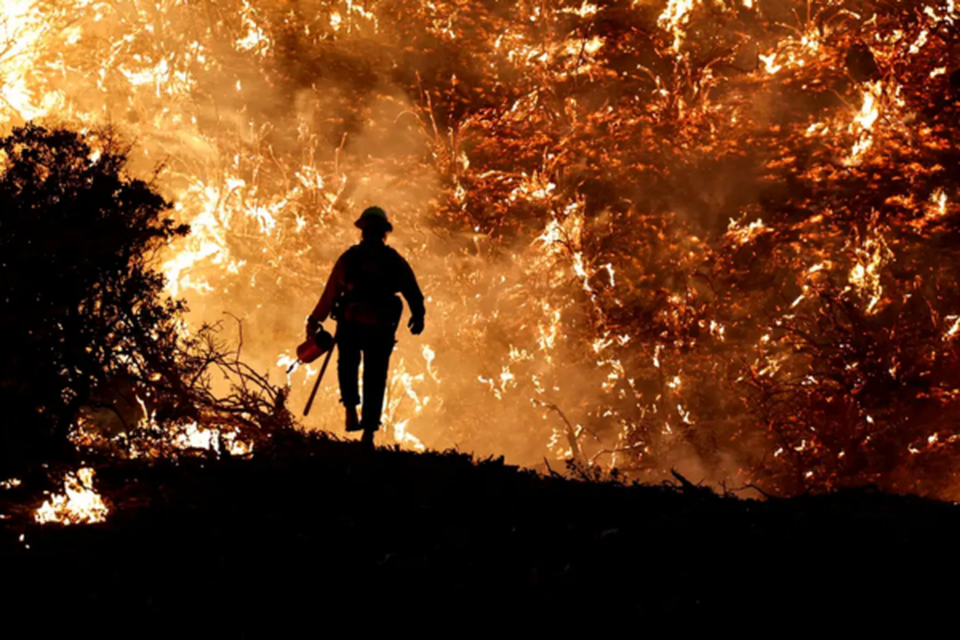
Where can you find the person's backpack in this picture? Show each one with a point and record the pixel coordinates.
(372, 285)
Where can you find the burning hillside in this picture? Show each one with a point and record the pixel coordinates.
(718, 236)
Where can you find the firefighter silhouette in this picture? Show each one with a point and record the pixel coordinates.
(361, 295)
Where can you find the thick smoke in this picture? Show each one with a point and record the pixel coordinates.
(653, 235)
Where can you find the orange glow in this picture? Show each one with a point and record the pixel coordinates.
(78, 504)
(663, 219)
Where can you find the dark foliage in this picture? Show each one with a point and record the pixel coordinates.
(81, 308)
(92, 341)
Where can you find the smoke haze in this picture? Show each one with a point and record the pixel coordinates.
(651, 235)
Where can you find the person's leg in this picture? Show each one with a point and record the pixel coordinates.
(376, 368)
(348, 366)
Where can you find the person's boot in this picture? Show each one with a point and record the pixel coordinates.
(367, 439)
(353, 422)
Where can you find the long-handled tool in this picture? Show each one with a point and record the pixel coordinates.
(323, 369)
(321, 342)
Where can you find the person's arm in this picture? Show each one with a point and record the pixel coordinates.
(334, 288)
(414, 297)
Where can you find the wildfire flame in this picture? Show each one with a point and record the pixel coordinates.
(656, 218)
(862, 125)
(78, 504)
(866, 273)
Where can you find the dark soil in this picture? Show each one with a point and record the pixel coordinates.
(318, 533)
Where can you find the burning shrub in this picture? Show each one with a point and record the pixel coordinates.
(81, 306)
(84, 314)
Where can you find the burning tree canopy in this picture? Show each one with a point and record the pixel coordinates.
(712, 235)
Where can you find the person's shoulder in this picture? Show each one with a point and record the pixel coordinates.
(351, 252)
(395, 255)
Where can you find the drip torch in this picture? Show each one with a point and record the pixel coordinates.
(320, 343)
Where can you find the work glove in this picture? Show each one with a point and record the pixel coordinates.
(416, 325)
(313, 325)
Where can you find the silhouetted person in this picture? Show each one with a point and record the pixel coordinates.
(361, 295)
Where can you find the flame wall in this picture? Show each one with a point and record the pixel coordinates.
(716, 236)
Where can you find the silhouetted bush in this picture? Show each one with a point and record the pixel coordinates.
(81, 305)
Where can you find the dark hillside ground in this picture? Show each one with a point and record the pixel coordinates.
(321, 531)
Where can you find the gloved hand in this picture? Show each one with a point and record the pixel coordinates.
(415, 324)
(313, 325)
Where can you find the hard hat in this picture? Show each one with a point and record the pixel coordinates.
(373, 216)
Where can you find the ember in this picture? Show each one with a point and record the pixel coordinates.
(718, 237)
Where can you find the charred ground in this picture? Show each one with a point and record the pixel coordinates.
(314, 530)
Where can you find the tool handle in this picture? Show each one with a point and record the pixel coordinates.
(323, 369)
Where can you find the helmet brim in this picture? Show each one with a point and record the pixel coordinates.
(373, 223)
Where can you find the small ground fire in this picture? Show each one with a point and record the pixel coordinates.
(78, 504)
